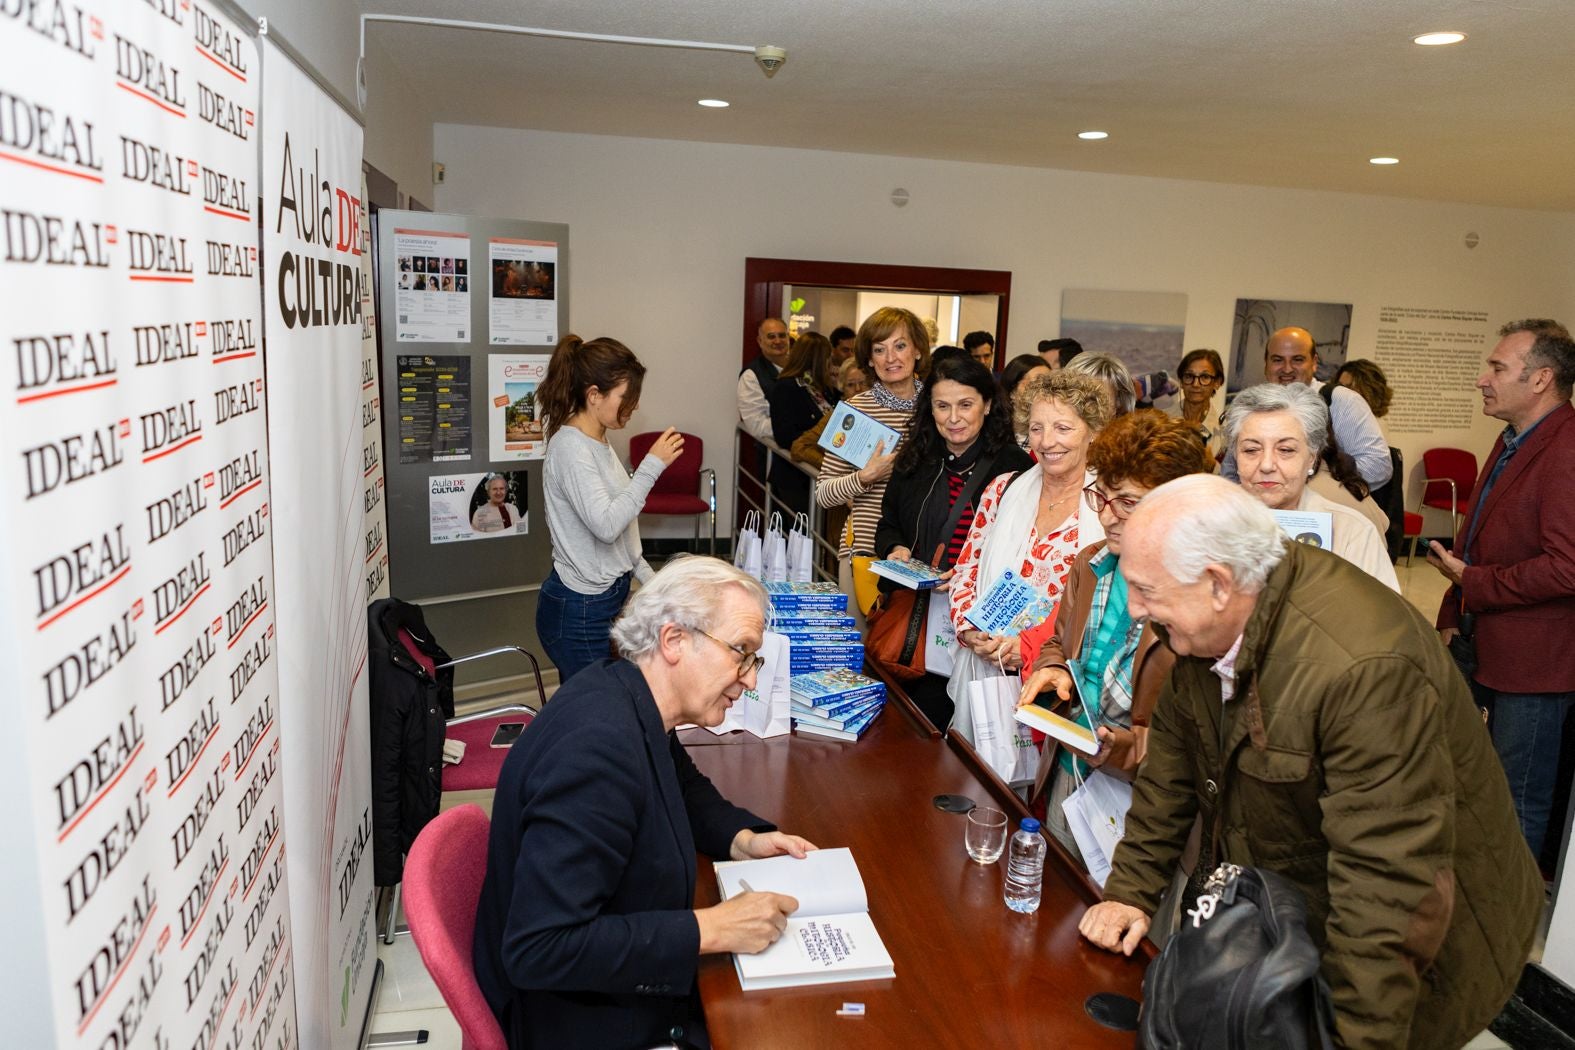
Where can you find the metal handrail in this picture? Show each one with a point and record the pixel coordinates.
(816, 513)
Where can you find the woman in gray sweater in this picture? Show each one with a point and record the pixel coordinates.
(592, 503)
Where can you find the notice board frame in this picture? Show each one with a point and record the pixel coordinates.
(438, 573)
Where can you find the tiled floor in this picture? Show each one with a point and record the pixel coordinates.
(409, 1001)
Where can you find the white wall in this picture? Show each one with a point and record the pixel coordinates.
(660, 231)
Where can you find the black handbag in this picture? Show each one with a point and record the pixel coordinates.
(1240, 972)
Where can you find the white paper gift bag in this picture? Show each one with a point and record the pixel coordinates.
(774, 556)
(767, 708)
(1097, 815)
(748, 555)
(1004, 743)
(940, 635)
(800, 551)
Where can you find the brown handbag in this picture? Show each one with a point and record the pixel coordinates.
(896, 625)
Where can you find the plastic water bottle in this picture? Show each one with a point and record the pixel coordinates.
(1025, 867)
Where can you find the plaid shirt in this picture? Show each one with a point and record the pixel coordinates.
(1110, 644)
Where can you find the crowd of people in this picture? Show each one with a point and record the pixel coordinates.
(1269, 703)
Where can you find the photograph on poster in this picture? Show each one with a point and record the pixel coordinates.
(442, 313)
(1143, 330)
(524, 299)
(477, 506)
(1257, 319)
(514, 424)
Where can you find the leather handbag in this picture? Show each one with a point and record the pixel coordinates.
(1240, 972)
(897, 623)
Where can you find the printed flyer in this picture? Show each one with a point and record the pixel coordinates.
(432, 298)
(524, 304)
(477, 506)
(514, 423)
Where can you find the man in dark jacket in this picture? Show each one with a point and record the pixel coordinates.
(1316, 725)
(586, 935)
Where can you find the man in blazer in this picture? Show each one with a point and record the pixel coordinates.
(586, 934)
(1510, 613)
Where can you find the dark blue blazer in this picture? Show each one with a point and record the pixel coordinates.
(585, 932)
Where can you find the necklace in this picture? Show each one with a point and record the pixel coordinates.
(887, 399)
(1063, 499)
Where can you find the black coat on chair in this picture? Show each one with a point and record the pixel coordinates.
(410, 701)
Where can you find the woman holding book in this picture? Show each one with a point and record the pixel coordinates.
(892, 347)
(1281, 438)
(1121, 663)
(959, 440)
(1031, 525)
(592, 503)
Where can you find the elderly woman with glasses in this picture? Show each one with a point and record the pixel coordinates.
(1201, 373)
(1280, 434)
(1101, 668)
(1031, 525)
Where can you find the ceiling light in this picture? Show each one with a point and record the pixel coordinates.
(1091, 135)
(1438, 39)
(1384, 160)
(713, 103)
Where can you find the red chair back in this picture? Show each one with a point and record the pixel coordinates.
(443, 876)
(682, 478)
(1454, 463)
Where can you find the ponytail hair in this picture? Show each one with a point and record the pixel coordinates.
(577, 366)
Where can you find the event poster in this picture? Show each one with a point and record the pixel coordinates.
(434, 408)
(514, 425)
(375, 506)
(314, 299)
(432, 290)
(484, 506)
(524, 304)
(137, 581)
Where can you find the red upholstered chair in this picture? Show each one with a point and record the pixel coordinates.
(676, 491)
(443, 875)
(1450, 474)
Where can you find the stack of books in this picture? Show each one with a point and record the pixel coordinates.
(839, 704)
(815, 620)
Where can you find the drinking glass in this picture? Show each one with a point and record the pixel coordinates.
(986, 836)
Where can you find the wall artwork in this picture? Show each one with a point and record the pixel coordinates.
(1257, 319)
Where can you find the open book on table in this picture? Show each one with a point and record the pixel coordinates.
(829, 940)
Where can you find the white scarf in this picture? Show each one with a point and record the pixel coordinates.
(1006, 546)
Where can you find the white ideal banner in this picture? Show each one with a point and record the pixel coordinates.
(376, 523)
(136, 575)
(312, 244)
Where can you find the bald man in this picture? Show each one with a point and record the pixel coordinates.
(760, 375)
(1291, 357)
(1317, 726)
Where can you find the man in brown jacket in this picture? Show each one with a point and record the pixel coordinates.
(1317, 726)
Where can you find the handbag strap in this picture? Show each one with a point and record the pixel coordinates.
(965, 498)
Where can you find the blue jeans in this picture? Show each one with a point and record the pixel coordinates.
(1527, 730)
(575, 628)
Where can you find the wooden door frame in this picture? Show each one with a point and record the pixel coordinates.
(765, 279)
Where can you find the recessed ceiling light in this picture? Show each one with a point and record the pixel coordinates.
(1091, 135)
(1384, 160)
(713, 103)
(1438, 39)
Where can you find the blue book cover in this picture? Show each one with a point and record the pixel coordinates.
(840, 721)
(809, 665)
(853, 435)
(851, 733)
(911, 573)
(794, 598)
(784, 622)
(1005, 607)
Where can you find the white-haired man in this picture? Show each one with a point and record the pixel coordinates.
(1315, 723)
(585, 932)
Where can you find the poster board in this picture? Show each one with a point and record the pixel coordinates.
(136, 575)
(442, 405)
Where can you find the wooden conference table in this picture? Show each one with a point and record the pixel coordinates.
(970, 973)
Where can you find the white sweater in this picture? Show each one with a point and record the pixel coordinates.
(593, 511)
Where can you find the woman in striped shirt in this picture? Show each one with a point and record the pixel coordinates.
(959, 441)
(893, 348)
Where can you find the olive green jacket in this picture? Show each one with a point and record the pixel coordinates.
(1351, 760)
